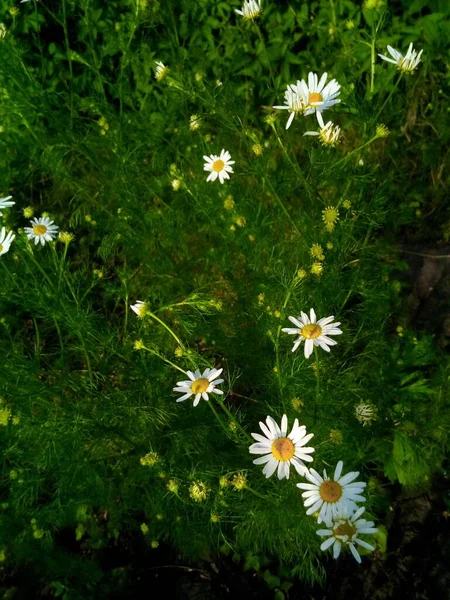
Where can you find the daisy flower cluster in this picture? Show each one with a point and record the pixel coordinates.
(333, 500)
(42, 230)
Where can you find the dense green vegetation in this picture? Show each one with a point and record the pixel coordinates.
(109, 146)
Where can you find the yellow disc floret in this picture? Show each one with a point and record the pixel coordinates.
(283, 449)
(39, 229)
(200, 385)
(311, 331)
(218, 165)
(330, 491)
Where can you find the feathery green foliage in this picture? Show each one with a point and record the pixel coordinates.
(92, 439)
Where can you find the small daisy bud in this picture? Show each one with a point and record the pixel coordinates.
(172, 486)
(297, 404)
(28, 212)
(98, 273)
(239, 481)
(382, 131)
(3, 30)
(139, 345)
(346, 204)
(317, 252)
(336, 436)
(373, 4)
(215, 518)
(144, 528)
(149, 459)
(277, 314)
(241, 221)
(257, 149)
(194, 123)
(179, 352)
(154, 544)
(251, 237)
(161, 71)
(232, 228)
(223, 481)
(301, 273)
(228, 203)
(176, 183)
(350, 25)
(261, 298)
(316, 268)
(13, 11)
(198, 491)
(329, 245)
(159, 517)
(65, 237)
(365, 413)
(330, 215)
(329, 227)
(199, 77)
(233, 426)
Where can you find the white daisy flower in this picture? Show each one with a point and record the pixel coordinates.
(200, 384)
(329, 134)
(316, 95)
(219, 166)
(5, 203)
(344, 530)
(139, 308)
(5, 240)
(280, 449)
(313, 332)
(43, 230)
(407, 63)
(294, 102)
(250, 10)
(328, 496)
(161, 71)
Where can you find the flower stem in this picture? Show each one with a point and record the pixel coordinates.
(174, 335)
(221, 423)
(233, 419)
(169, 362)
(355, 151)
(399, 78)
(316, 354)
(266, 498)
(294, 165)
(283, 208)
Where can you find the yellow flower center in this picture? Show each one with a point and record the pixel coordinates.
(218, 165)
(1, 248)
(315, 97)
(200, 385)
(283, 449)
(39, 229)
(330, 491)
(347, 529)
(311, 331)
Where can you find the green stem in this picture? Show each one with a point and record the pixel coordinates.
(294, 165)
(277, 341)
(316, 354)
(258, 31)
(174, 335)
(169, 362)
(372, 59)
(266, 498)
(234, 420)
(283, 208)
(399, 78)
(69, 59)
(350, 154)
(216, 414)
